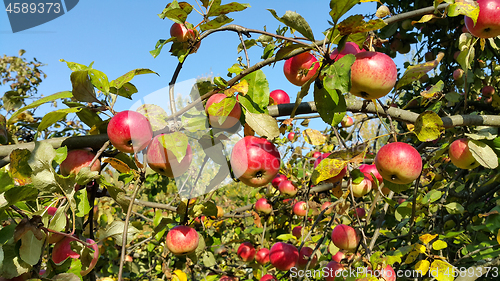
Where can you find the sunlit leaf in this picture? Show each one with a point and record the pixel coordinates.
(426, 238)
(422, 267)
(483, 153)
(313, 137)
(295, 21)
(439, 245)
(415, 72)
(263, 124)
(428, 126)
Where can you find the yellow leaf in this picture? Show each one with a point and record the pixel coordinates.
(419, 248)
(498, 236)
(442, 271)
(412, 256)
(422, 267)
(119, 165)
(313, 137)
(439, 245)
(180, 275)
(425, 18)
(426, 238)
(241, 87)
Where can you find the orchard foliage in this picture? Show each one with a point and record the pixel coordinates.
(115, 221)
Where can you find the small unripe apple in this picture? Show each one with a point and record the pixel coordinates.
(231, 120)
(326, 205)
(461, 156)
(263, 207)
(345, 237)
(129, 131)
(268, 277)
(76, 160)
(287, 188)
(339, 256)
(182, 240)
(398, 163)
(262, 256)
(349, 48)
(406, 24)
(332, 270)
(277, 180)
(279, 97)
(246, 251)
(347, 121)
(487, 24)
(291, 136)
(304, 254)
(283, 256)
(297, 231)
(300, 209)
(164, 162)
(296, 68)
(362, 188)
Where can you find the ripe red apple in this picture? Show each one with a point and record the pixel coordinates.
(388, 274)
(336, 178)
(246, 251)
(488, 91)
(181, 33)
(255, 161)
(283, 256)
(129, 131)
(263, 207)
(362, 188)
(360, 213)
(461, 156)
(300, 209)
(398, 163)
(279, 97)
(287, 188)
(231, 120)
(316, 154)
(349, 48)
(368, 169)
(277, 180)
(291, 136)
(76, 160)
(338, 256)
(62, 251)
(262, 256)
(347, 122)
(296, 68)
(332, 270)
(326, 205)
(268, 277)
(228, 278)
(401, 200)
(51, 210)
(297, 231)
(458, 74)
(182, 240)
(345, 237)
(373, 75)
(304, 254)
(164, 162)
(487, 24)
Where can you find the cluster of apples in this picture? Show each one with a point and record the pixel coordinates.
(185, 35)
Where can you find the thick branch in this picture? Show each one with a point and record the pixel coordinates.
(416, 13)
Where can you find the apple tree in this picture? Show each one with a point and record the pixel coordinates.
(231, 182)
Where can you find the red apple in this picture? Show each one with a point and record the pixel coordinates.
(373, 75)
(398, 163)
(277, 180)
(300, 209)
(283, 256)
(297, 231)
(338, 256)
(461, 156)
(488, 91)
(279, 97)
(388, 274)
(231, 119)
(181, 33)
(362, 188)
(287, 188)
(246, 251)
(255, 161)
(458, 74)
(51, 210)
(326, 205)
(304, 255)
(62, 251)
(164, 162)
(332, 270)
(263, 207)
(262, 256)
(487, 24)
(129, 131)
(349, 48)
(368, 170)
(291, 136)
(316, 154)
(345, 237)
(296, 68)
(347, 122)
(182, 240)
(76, 160)
(268, 277)
(360, 213)
(228, 278)
(336, 178)
(401, 200)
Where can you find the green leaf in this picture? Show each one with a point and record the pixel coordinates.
(82, 203)
(286, 50)
(483, 132)
(177, 12)
(159, 46)
(454, 208)
(222, 109)
(75, 66)
(156, 115)
(415, 72)
(52, 117)
(58, 221)
(4, 136)
(12, 265)
(6, 180)
(208, 259)
(327, 168)
(340, 8)
(431, 196)
(483, 154)
(428, 126)
(83, 90)
(403, 211)
(216, 23)
(115, 231)
(286, 237)
(122, 80)
(263, 124)
(176, 143)
(31, 248)
(338, 75)
(466, 8)
(226, 9)
(397, 188)
(330, 111)
(20, 193)
(258, 91)
(126, 91)
(295, 21)
(60, 95)
(99, 80)
(356, 24)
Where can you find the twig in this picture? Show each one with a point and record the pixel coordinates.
(244, 48)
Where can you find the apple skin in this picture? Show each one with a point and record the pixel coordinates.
(181, 33)
(487, 24)
(279, 97)
(76, 160)
(488, 91)
(246, 251)
(368, 169)
(461, 156)
(283, 256)
(232, 119)
(291, 136)
(388, 273)
(336, 178)
(360, 213)
(332, 269)
(228, 278)
(277, 180)
(268, 277)
(306, 252)
(164, 162)
(287, 188)
(263, 207)
(458, 74)
(326, 205)
(182, 240)
(362, 188)
(295, 68)
(347, 122)
(255, 161)
(339, 256)
(345, 237)
(300, 209)
(62, 251)
(129, 131)
(262, 256)
(373, 75)
(297, 231)
(398, 163)
(349, 48)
